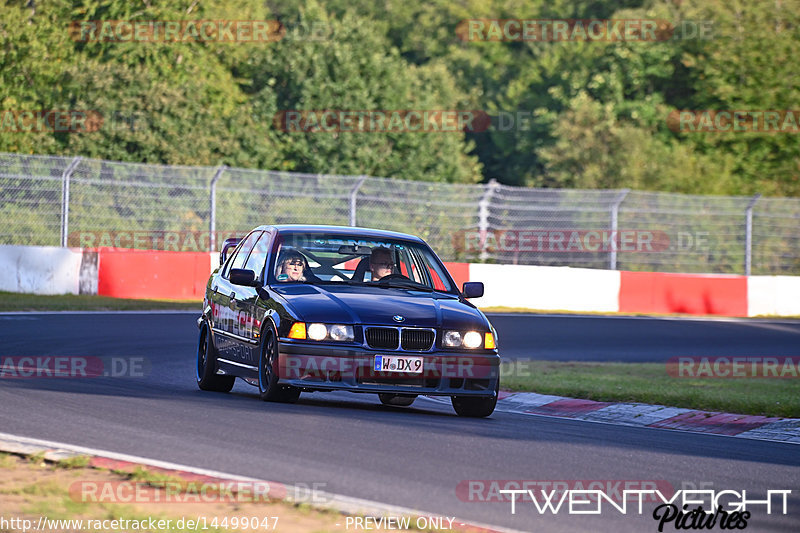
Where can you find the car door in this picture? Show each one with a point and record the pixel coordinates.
(229, 342)
(245, 301)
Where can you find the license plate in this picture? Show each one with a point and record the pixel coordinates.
(398, 363)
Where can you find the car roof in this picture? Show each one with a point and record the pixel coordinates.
(342, 230)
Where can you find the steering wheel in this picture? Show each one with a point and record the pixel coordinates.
(391, 277)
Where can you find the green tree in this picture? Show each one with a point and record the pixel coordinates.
(356, 69)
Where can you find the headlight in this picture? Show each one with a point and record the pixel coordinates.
(456, 339)
(472, 339)
(341, 333)
(317, 332)
(335, 332)
(452, 339)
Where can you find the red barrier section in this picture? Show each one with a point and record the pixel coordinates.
(655, 292)
(459, 272)
(153, 274)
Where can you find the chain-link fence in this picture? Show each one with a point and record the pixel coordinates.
(48, 200)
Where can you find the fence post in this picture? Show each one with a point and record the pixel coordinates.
(212, 209)
(65, 199)
(483, 216)
(353, 195)
(612, 257)
(748, 234)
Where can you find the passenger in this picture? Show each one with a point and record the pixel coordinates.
(292, 267)
(381, 263)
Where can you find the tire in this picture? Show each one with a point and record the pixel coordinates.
(268, 388)
(399, 400)
(475, 407)
(206, 373)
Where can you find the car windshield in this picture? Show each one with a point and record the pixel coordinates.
(319, 258)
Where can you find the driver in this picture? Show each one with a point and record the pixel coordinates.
(381, 263)
(292, 267)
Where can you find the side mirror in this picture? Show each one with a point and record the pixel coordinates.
(240, 276)
(227, 246)
(473, 289)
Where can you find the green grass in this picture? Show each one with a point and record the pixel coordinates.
(11, 301)
(77, 461)
(144, 475)
(5, 460)
(37, 458)
(650, 383)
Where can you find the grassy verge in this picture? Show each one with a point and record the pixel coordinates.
(11, 301)
(32, 489)
(650, 383)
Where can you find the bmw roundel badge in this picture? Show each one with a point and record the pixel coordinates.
(398, 318)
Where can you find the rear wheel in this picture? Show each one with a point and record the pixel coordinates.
(207, 377)
(475, 407)
(268, 388)
(400, 400)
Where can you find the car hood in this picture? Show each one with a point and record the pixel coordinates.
(371, 305)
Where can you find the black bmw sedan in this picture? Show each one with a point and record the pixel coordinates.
(297, 308)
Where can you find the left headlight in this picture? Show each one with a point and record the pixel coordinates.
(468, 339)
(333, 332)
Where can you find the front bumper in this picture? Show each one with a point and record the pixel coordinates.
(351, 368)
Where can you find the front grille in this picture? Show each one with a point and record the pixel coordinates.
(417, 339)
(383, 338)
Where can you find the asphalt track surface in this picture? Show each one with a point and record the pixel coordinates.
(413, 457)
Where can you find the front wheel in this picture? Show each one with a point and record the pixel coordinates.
(268, 387)
(207, 377)
(475, 407)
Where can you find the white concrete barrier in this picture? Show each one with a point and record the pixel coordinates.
(545, 287)
(40, 269)
(773, 295)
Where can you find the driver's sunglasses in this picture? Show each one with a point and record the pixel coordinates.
(383, 265)
(295, 262)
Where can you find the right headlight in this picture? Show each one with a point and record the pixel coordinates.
(452, 339)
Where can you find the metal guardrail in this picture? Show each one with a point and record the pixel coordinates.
(66, 201)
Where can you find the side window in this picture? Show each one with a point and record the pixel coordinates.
(259, 255)
(241, 255)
